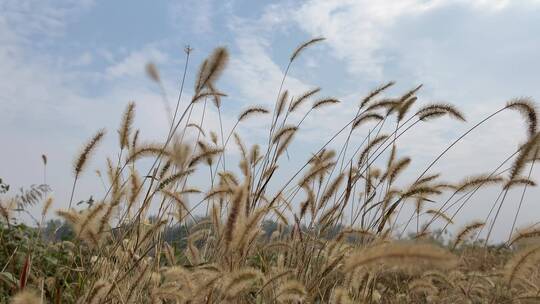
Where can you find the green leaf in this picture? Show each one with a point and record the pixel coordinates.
(51, 260)
(8, 278)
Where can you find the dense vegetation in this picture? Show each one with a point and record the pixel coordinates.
(336, 232)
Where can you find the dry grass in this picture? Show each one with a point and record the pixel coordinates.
(339, 220)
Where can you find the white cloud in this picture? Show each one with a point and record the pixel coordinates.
(497, 5)
(357, 30)
(84, 59)
(21, 18)
(195, 14)
(134, 63)
(256, 75)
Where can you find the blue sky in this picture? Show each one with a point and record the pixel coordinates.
(69, 67)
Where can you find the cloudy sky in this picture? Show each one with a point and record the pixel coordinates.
(69, 67)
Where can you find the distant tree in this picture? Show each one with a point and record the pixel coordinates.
(57, 230)
(3, 187)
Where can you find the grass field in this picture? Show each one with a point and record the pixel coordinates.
(336, 231)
